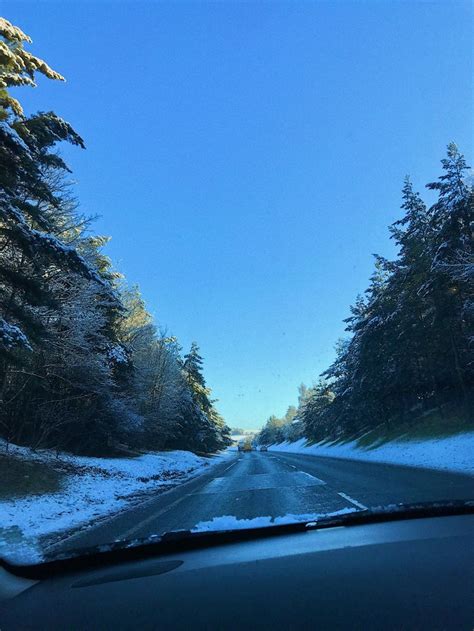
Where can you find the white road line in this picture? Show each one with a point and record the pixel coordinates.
(231, 465)
(353, 501)
(313, 477)
(151, 518)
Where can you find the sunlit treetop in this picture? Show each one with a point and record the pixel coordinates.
(18, 67)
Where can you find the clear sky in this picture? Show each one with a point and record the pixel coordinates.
(247, 158)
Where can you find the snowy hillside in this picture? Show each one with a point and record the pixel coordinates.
(91, 488)
(452, 453)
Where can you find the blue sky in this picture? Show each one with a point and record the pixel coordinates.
(247, 158)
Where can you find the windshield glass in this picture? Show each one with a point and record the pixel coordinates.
(195, 332)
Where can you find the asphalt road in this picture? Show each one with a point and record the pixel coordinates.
(276, 484)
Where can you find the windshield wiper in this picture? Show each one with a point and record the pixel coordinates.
(177, 541)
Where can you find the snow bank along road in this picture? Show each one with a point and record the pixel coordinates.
(447, 453)
(273, 485)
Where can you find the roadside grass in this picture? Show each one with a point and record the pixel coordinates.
(433, 424)
(20, 478)
(113, 451)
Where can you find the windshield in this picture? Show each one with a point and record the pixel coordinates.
(195, 332)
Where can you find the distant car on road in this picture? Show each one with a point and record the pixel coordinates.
(263, 448)
(245, 446)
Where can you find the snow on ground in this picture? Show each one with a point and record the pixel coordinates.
(93, 488)
(451, 453)
(229, 522)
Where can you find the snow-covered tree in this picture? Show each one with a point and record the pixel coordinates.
(411, 344)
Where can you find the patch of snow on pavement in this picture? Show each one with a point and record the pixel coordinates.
(451, 453)
(229, 522)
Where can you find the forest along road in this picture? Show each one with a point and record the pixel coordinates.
(276, 484)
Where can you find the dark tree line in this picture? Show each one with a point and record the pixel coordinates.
(411, 344)
(82, 366)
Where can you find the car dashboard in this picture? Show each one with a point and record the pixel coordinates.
(407, 574)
